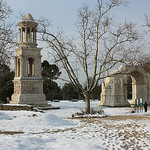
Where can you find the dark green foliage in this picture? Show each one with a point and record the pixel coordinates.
(68, 92)
(50, 71)
(51, 88)
(95, 94)
(6, 84)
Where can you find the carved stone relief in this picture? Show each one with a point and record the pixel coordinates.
(16, 87)
(31, 87)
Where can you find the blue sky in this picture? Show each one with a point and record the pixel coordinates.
(62, 13)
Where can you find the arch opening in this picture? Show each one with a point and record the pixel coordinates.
(30, 67)
(18, 68)
(137, 86)
(129, 88)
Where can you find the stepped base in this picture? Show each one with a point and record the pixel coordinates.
(48, 108)
(36, 100)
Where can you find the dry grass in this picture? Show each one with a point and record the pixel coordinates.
(46, 131)
(116, 118)
(55, 131)
(11, 132)
(126, 117)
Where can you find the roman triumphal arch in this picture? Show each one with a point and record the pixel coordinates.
(128, 81)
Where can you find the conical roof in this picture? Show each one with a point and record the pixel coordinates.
(28, 18)
(28, 21)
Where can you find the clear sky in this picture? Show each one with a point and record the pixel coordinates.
(63, 13)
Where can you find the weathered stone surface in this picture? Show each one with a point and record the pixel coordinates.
(114, 88)
(28, 82)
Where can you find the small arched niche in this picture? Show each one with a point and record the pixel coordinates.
(30, 67)
(18, 67)
(129, 88)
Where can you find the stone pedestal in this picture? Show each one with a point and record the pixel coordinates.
(30, 99)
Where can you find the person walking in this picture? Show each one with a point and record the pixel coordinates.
(145, 106)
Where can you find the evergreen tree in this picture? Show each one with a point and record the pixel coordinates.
(68, 92)
(50, 73)
(6, 84)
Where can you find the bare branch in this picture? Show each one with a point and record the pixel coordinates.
(99, 48)
(7, 35)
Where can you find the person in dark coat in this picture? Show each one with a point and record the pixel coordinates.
(145, 106)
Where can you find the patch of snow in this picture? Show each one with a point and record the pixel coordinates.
(4, 116)
(53, 130)
(54, 120)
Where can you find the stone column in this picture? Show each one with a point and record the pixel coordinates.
(21, 66)
(25, 36)
(30, 36)
(103, 95)
(21, 35)
(16, 67)
(134, 93)
(26, 74)
(34, 36)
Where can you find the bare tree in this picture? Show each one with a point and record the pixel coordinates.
(101, 45)
(144, 59)
(7, 35)
(147, 21)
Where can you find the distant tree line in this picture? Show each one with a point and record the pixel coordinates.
(51, 89)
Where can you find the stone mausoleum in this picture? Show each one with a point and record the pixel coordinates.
(115, 89)
(28, 82)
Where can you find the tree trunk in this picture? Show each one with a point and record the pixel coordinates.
(87, 104)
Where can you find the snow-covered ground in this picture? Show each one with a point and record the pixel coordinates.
(53, 130)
